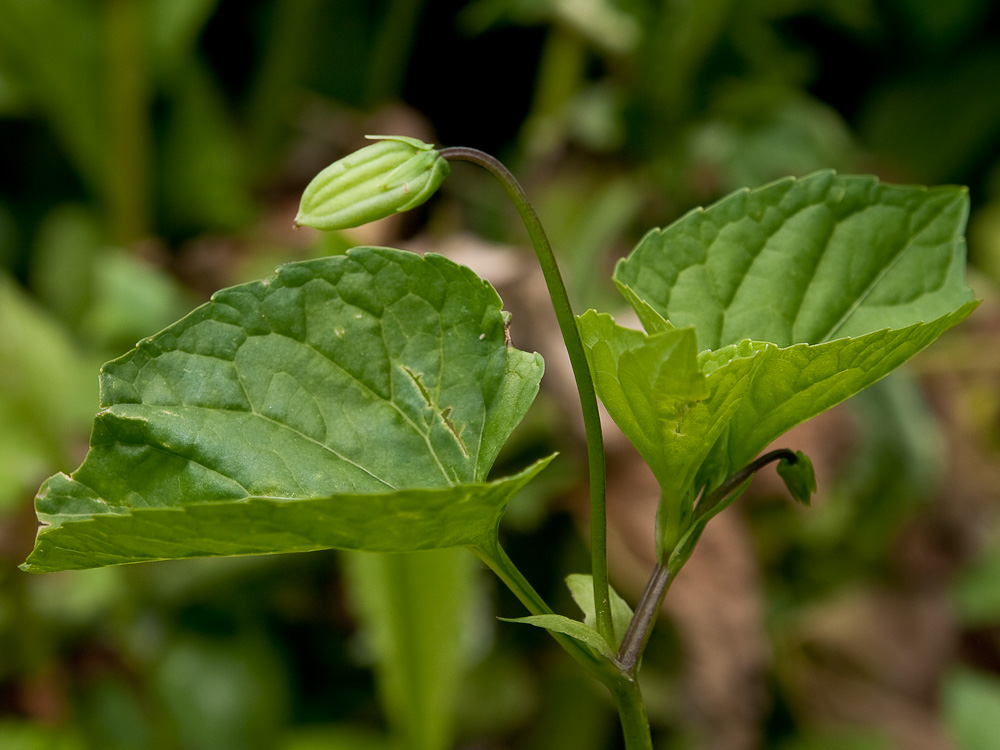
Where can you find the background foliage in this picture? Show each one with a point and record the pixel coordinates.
(154, 150)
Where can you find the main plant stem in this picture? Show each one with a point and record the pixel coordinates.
(643, 618)
(632, 713)
(646, 611)
(581, 372)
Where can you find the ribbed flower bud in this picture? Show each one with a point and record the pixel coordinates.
(393, 175)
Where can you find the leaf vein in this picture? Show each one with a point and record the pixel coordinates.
(863, 296)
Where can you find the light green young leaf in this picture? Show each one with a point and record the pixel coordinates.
(356, 401)
(654, 388)
(567, 626)
(46, 396)
(581, 587)
(799, 295)
(672, 404)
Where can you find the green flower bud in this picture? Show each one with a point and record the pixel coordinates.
(393, 175)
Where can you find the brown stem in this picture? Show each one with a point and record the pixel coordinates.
(642, 620)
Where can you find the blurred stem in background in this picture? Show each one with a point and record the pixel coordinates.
(128, 102)
(391, 52)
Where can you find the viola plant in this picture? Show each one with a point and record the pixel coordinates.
(360, 401)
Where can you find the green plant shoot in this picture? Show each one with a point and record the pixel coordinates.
(360, 401)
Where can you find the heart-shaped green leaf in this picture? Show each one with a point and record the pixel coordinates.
(581, 588)
(805, 260)
(798, 295)
(356, 401)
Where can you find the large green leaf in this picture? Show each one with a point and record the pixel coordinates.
(766, 309)
(795, 383)
(356, 401)
(805, 261)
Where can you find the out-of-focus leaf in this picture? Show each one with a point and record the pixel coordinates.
(108, 297)
(984, 235)
(939, 26)
(223, 693)
(356, 401)
(111, 715)
(977, 591)
(584, 216)
(336, 737)
(940, 123)
(129, 297)
(13, 100)
(499, 695)
(204, 173)
(972, 709)
(55, 48)
(295, 31)
(80, 599)
(65, 252)
(416, 609)
(24, 735)
(46, 393)
(173, 27)
(761, 133)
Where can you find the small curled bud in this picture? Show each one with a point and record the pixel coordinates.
(393, 175)
(798, 476)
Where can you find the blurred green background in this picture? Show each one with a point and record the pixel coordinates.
(152, 151)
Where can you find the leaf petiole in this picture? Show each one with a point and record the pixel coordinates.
(497, 560)
(622, 685)
(708, 506)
